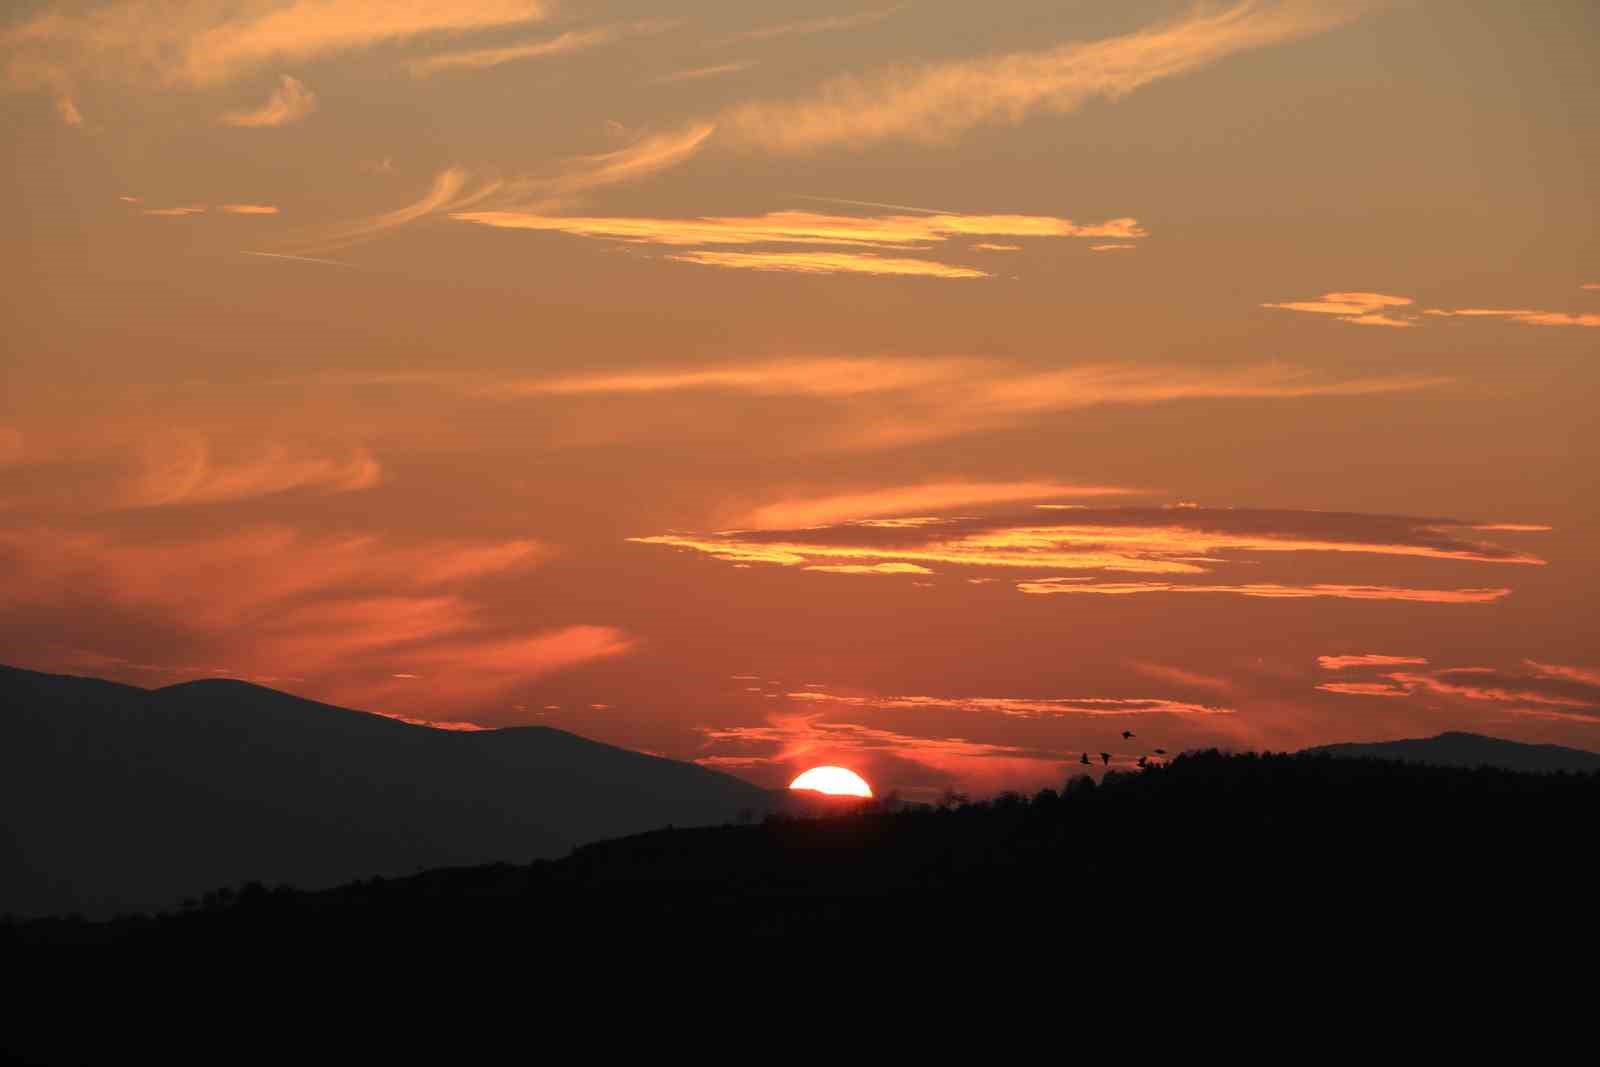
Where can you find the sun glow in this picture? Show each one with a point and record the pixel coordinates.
(834, 781)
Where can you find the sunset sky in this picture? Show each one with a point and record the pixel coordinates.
(931, 389)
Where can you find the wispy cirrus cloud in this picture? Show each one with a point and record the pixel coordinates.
(339, 614)
(1523, 316)
(452, 189)
(560, 44)
(175, 467)
(911, 500)
(249, 209)
(1271, 591)
(830, 263)
(701, 73)
(1340, 663)
(1381, 309)
(290, 102)
(805, 227)
(1540, 690)
(1363, 309)
(935, 102)
(929, 399)
(1021, 707)
(176, 212)
(1170, 542)
(824, 24)
(205, 43)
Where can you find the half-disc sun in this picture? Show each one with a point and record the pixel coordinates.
(834, 781)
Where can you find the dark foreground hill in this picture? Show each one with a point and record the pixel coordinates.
(1192, 858)
(1456, 749)
(119, 799)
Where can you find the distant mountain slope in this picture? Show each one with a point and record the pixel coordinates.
(1470, 750)
(116, 798)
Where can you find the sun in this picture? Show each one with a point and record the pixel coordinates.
(834, 781)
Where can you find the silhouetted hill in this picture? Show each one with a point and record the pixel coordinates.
(1456, 749)
(117, 798)
(1191, 858)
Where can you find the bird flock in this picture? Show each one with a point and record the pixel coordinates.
(1143, 762)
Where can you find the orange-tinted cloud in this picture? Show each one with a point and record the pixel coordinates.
(1363, 309)
(1546, 687)
(1164, 541)
(1272, 591)
(1585, 675)
(451, 189)
(183, 468)
(805, 227)
(290, 102)
(1179, 676)
(1364, 689)
(869, 568)
(68, 110)
(1525, 316)
(1339, 663)
(1023, 707)
(701, 73)
(824, 24)
(823, 377)
(1110, 248)
(483, 58)
(936, 102)
(986, 246)
(176, 212)
(911, 500)
(830, 263)
(201, 43)
(249, 209)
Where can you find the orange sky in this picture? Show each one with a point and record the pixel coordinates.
(930, 391)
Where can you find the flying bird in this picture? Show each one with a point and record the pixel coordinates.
(1085, 759)
(1161, 752)
(1105, 757)
(1127, 735)
(1144, 761)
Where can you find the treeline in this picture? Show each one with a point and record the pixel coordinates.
(1207, 841)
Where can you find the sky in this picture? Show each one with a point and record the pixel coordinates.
(933, 391)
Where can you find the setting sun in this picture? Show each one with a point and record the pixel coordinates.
(834, 781)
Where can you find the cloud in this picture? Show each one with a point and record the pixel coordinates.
(1023, 707)
(290, 102)
(804, 227)
(341, 613)
(249, 209)
(646, 156)
(829, 263)
(823, 377)
(1272, 591)
(826, 24)
(1590, 285)
(986, 246)
(68, 111)
(1372, 309)
(700, 73)
(205, 43)
(1364, 689)
(1554, 691)
(1110, 248)
(870, 568)
(175, 212)
(1363, 309)
(1179, 676)
(1339, 663)
(911, 500)
(889, 402)
(936, 102)
(561, 44)
(175, 468)
(451, 189)
(1523, 316)
(1146, 541)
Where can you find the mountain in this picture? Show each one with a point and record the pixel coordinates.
(123, 799)
(1183, 865)
(1456, 749)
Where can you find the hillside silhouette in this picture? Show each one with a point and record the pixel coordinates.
(120, 799)
(1458, 749)
(1195, 855)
